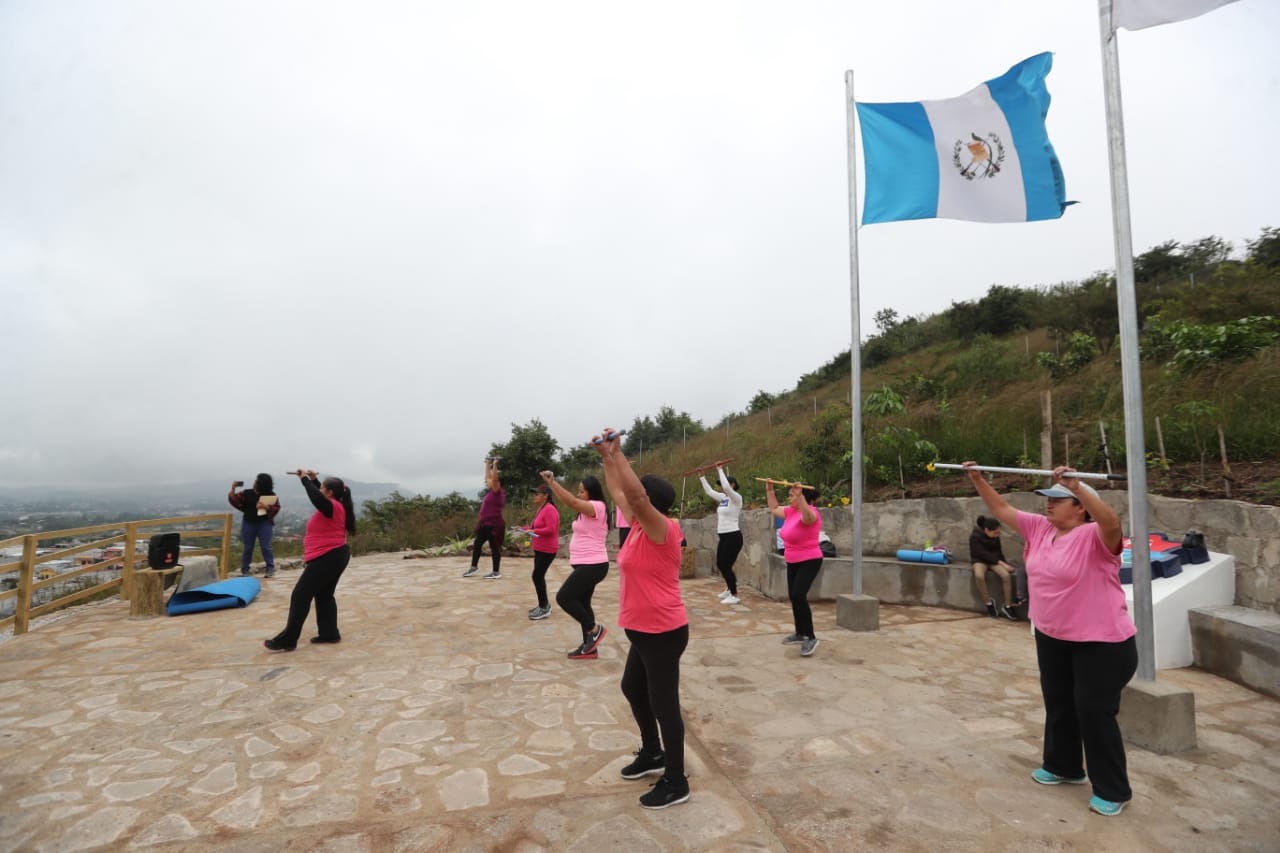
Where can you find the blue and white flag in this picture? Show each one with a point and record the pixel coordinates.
(1140, 14)
(984, 156)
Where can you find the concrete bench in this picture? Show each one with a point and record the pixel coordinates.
(1238, 643)
(889, 580)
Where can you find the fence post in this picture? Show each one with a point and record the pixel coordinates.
(224, 565)
(126, 567)
(26, 574)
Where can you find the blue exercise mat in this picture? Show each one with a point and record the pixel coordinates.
(235, 592)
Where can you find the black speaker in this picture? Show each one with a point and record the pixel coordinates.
(162, 552)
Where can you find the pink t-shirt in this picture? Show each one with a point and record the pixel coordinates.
(586, 546)
(325, 534)
(546, 524)
(1074, 583)
(800, 540)
(619, 520)
(649, 582)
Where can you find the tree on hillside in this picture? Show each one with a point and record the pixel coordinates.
(669, 426)
(761, 401)
(577, 462)
(1001, 311)
(1265, 251)
(530, 450)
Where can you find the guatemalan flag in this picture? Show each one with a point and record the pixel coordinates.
(984, 156)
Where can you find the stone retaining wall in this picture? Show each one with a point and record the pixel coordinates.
(1249, 533)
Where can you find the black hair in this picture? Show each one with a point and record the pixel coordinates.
(546, 492)
(661, 494)
(988, 523)
(343, 494)
(810, 495)
(264, 485)
(733, 481)
(595, 492)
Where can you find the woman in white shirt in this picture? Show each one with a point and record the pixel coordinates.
(730, 533)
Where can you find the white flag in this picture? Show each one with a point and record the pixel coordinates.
(1140, 14)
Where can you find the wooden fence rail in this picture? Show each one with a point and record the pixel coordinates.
(126, 535)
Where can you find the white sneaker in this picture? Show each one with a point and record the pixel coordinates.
(723, 594)
(732, 599)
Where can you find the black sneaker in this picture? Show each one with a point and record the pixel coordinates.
(492, 576)
(471, 571)
(592, 641)
(991, 610)
(1008, 614)
(326, 639)
(646, 764)
(665, 793)
(583, 653)
(275, 645)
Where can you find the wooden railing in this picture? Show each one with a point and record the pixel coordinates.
(125, 535)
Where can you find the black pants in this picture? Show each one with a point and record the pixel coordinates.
(800, 576)
(622, 536)
(1081, 684)
(541, 562)
(651, 684)
(493, 534)
(575, 594)
(727, 550)
(318, 581)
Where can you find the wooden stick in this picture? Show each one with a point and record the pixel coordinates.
(702, 468)
(1033, 471)
(786, 483)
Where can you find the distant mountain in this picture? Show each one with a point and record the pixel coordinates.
(165, 499)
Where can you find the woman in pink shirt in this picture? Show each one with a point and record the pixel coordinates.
(651, 611)
(588, 558)
(1084, 636)
(326, 552)
(801, 525)
(545, 532)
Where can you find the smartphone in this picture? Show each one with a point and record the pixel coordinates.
(238, 483)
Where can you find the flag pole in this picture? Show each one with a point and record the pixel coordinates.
(855, 351)
(1131, 376)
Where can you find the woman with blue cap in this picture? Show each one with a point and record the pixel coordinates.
(1084, 635)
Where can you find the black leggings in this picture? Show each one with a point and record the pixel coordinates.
(493, 534)
(541, 562)
(318, 581)
(727, 551)
(575, 594)
(1081, 685)
(651, 683)
(800, 576)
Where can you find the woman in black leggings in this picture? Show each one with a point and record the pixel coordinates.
(729, 507)
(652, 612)
(587, 557)
(326, 552)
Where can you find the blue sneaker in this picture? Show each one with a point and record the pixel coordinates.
(1044, 777)
(1105, 807)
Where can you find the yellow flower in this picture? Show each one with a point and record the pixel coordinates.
(844, 501)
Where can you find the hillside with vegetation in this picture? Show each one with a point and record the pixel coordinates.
(971, 382)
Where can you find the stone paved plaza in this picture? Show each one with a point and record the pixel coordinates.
(446, 720)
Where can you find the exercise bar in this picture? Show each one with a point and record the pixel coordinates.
(699, 470)
(786, 483)
(1081, 475)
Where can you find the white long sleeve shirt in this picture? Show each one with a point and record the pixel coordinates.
(730, 503)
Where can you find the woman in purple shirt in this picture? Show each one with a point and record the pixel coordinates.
(491, 527)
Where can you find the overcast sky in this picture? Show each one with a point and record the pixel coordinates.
(367, 237)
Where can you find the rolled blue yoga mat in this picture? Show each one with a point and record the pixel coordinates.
(234, 592)
(908, 556)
